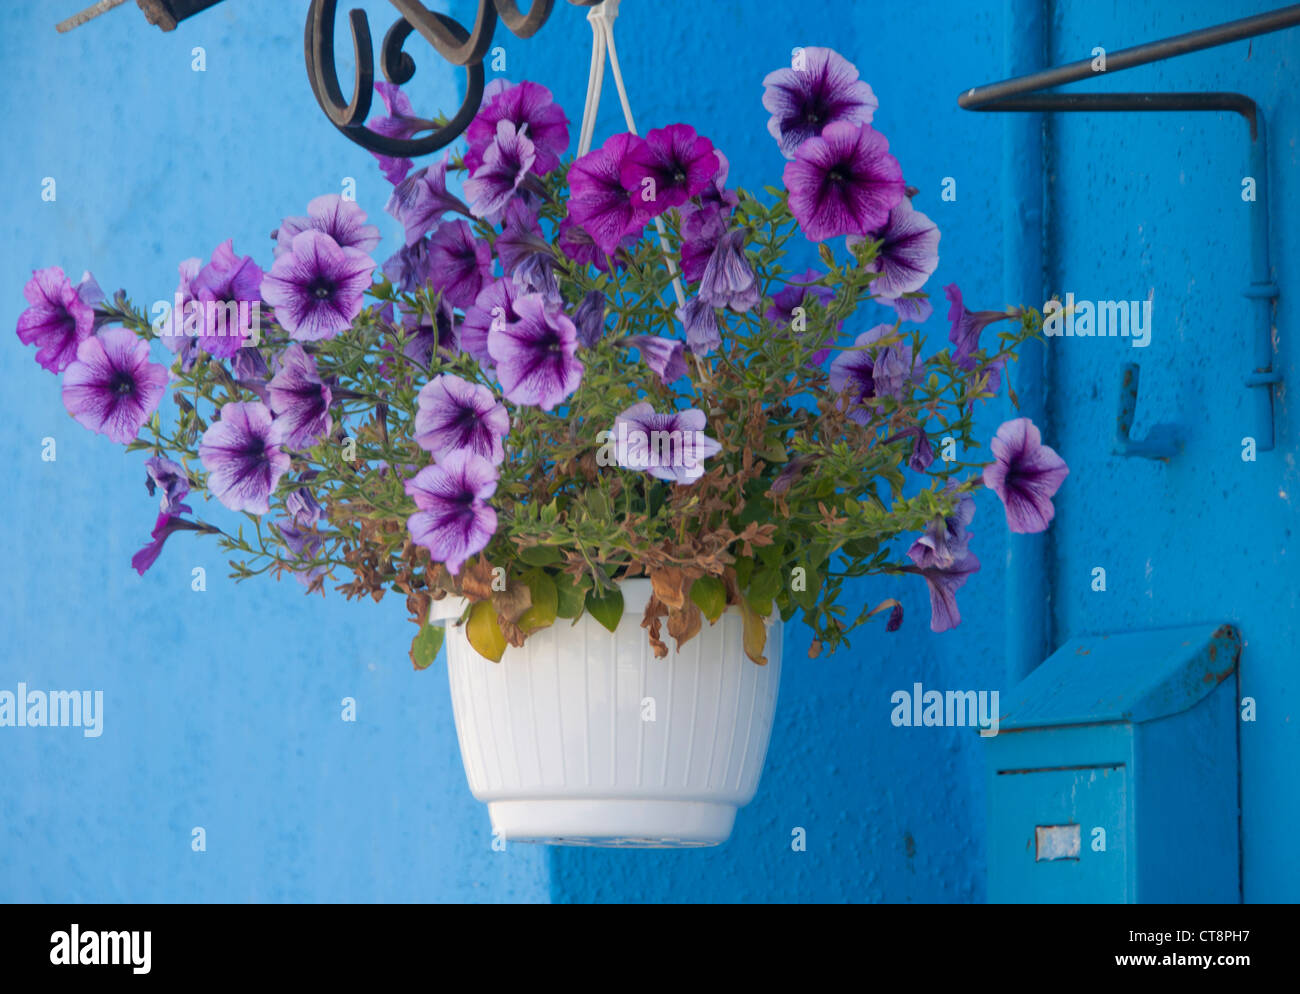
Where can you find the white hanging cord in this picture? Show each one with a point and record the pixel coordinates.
(601, 18)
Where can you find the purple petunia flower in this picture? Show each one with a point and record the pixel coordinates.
(672, 165)
(454, 519)
(400, 122)
(527, 106)
(168, 524)
(341, 219)
(701, 232)
(864, 372)
(1025, 475)
(663, 355)
(844, 182)
(171, 478)
(578, 246)
(700, 321)
(495, 304)
(943, 583)
(429, 333)
(945, 540)
(598, 201)
(506, 163)
(420, 201)
(914, 309)
(799, 288)
(111, 387)
(536, 274)
(243, 464)
(459, 263)
(534, 355)
(408, 268)
(455, 414)
(589, 319)
(58, 320)
(299, 401)
(229, 289)
(967, 326)
(909, 252)
(317, 289)
(669, 446)
(821, 88)
(520, 238)
(179, 332)
(728, 279)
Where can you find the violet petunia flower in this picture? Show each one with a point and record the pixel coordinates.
(430, 333)
(420, 201)
(1025, 474)
(299, 401)
(408, 268)
(495, 304)
(943, 583)
(520, 238)
(598, 201)
(700, 321)
(401, 121)
(917, 310)
(228, 289)
(506, 163)
(669, 446)
(111, 387)
(663, 355)
(180, 332)
(589, 319)
(454, 519)
(843, 182)
(579, 247)
(455, 414)
(796, 294)
(864, 372)
(243, 463)
(908, 255)
(459, 263)
(536, 274)
(168, 524)
(672, 165)
(57, 321)
(341, 219)
(967, 326)
(534, 356)
(821, 88)
(728, 279)
(527, 106)
(945, 540)
(317, 289)
(701, 232)
(171, 478)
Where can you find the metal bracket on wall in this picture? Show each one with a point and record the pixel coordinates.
(1022, 94)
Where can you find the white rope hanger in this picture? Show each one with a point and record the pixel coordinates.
(601, 18)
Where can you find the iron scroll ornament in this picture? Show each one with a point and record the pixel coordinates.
(447, 36)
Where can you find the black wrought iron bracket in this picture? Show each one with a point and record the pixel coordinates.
(449, 38)
(1023, 93)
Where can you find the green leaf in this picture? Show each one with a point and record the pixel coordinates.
(766, 584)
(484, 632)
(545, 601)
(744, 569)
(755, 633)
(540, 555)
(426, 644)
(710, 595)
(607, 608)
(570, 596)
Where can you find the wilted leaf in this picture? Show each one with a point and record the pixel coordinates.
(684, 624)
(755, 635)
(484, 632)
(669, 583)
(476, 580)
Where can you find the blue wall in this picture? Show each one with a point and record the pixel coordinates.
(212, 720)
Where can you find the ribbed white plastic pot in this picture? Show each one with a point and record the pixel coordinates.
(583, 737)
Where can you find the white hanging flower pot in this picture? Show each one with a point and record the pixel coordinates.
(583, 737)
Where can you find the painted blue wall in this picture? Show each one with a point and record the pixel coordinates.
(212, 720)
(223, 708)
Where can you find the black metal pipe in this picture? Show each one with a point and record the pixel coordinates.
(1193, 41)
(1238, 103)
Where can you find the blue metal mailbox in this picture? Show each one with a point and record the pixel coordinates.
(1113, 775)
